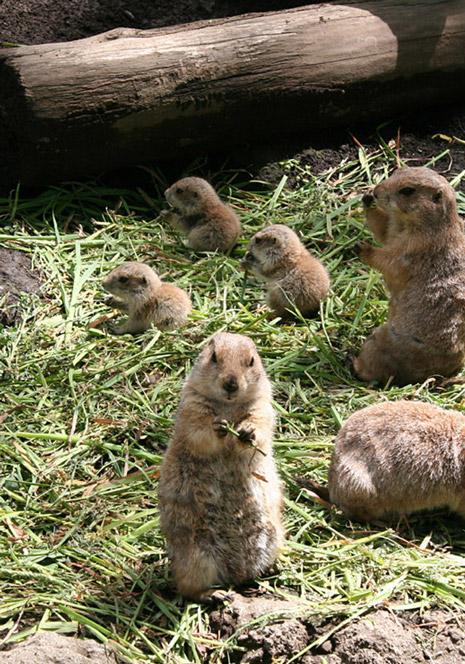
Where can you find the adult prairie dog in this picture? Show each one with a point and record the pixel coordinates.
(210, 224)
(139, 291)
(220, 498)
(423, 264)
(296, 279)
(399, 457)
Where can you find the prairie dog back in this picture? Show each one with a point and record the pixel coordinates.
(399, 457)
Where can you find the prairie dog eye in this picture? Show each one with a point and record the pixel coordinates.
(258, 240)
(179, 190)
(407, 191)
(214, 358)
(196, 194)
(252, 360)
(123, 280)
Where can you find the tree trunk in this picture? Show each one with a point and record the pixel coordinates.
(128, 96)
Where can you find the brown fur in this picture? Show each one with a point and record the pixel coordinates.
(210, 224)
(220, 500)
(139, 291)
(423, 264)
(296, 279)
(399, 457)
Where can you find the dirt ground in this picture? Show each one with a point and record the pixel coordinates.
(381, 637)
(16, 276)
(38, 21)
(53, 648)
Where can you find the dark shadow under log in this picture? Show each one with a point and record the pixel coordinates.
(129, 96)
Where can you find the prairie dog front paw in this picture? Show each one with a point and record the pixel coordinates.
(114, 303)
(221, 427)
(171, 216)
(246, 434)
(363, 249)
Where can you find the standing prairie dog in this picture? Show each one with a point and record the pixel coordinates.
(139, 291)
(220, 499)
(296, 279)
(210, 224)
(399, 457)
(423, 264)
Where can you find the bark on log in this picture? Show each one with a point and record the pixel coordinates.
(128, 96)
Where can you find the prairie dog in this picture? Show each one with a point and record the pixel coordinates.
(139, 291)
(296, 279)
(220, 499)
(399, 457)
(423, 264)
(210, 224)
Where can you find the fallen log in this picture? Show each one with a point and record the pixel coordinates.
(128, 96)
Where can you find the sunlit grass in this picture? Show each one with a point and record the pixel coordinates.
(87, 416)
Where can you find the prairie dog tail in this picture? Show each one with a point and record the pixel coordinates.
(321, 492)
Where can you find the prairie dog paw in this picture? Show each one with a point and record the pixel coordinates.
(217, 596)
(170, 215)
(111, 301)
(363, 249)
(247, 434)
(114, 328)
(220, 426)
(220, 596)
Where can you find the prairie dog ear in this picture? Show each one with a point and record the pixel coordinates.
(208, 350)
(211, 347)
(143, 280)
(437, 196)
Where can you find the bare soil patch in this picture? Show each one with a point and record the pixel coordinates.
(40, 21)
(53, 648)
(16, 277)
(380, 637)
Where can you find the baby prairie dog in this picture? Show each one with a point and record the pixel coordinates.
(296, 279)
(399, 457)
(210, 224)
(423, 263)
(219, 494)
(137, 289)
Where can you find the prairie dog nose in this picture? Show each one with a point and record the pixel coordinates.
(230, 384)
(369, 198)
